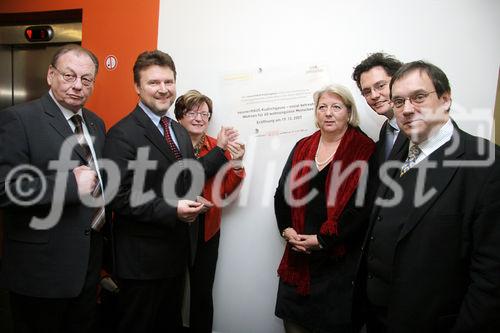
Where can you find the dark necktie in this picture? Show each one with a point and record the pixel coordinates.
(98, 218)
(389, 140)
(165, 123)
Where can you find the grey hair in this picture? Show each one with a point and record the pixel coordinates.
(345, 94)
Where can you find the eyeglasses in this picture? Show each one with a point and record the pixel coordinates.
(378, 87)
(415, 99)
(193, 115)
(87, 81)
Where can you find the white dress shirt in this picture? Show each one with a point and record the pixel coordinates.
(68, 114)
(434, 142)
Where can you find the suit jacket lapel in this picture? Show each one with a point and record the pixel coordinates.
(382, 138)
(94, 132)
(56, 117)
(401, 142)
(437, 178)
(183, 139)
(153, 134)
(60, 124)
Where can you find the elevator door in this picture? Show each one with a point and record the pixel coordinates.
(29, 71)
(24, 72)
(24, 64)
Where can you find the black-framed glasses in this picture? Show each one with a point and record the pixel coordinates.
(378, 87)
(415, 99)
(194, 114)
(87, 80)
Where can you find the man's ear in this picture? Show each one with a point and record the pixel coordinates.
(446, 98)
(137, 88)
(50, 75)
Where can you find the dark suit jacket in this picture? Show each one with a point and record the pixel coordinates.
(446, 261)
(150, 242)
(44, 263)
(379, 154)
(377, 161)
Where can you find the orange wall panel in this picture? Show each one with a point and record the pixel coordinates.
(111, 27)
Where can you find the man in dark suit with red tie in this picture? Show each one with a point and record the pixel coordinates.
(431, 260)
(154, 225)
(51, 265)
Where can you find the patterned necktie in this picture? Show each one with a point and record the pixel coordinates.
(165, 123)
(98, 218)
(410, 160)
(389, 139)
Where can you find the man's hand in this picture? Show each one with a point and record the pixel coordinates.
(206, 204)
(86, 179)
(226, 135)
(188, 210)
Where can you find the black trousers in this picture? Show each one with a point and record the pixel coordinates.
(150, 305)
(202, 275)
(376, 321)
(64, 315)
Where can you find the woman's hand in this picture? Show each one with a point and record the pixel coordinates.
(237, 151)
(293, 238)
(289, 234)
(305, 243)
(226, 135)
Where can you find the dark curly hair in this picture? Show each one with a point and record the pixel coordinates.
(388, 62)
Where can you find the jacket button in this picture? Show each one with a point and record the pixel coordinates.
(372, 238)
(352, 282)
(87, 232)
(379, 218)
(370, 276)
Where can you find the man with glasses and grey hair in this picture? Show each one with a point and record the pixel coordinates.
(431, 260)
(52, 270)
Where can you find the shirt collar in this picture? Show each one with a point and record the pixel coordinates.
(207, 144)
(153, 116)
(437, 140)
(394, 124)
(67, 113)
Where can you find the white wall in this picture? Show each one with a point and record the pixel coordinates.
(208, 39)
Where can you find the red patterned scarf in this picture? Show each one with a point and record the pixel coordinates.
(355, 146)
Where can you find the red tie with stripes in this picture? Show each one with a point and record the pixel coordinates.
(98, 218)
(165, 123)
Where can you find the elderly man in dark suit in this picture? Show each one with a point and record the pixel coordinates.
(50, 261)
(431, 261)
(154, 226)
